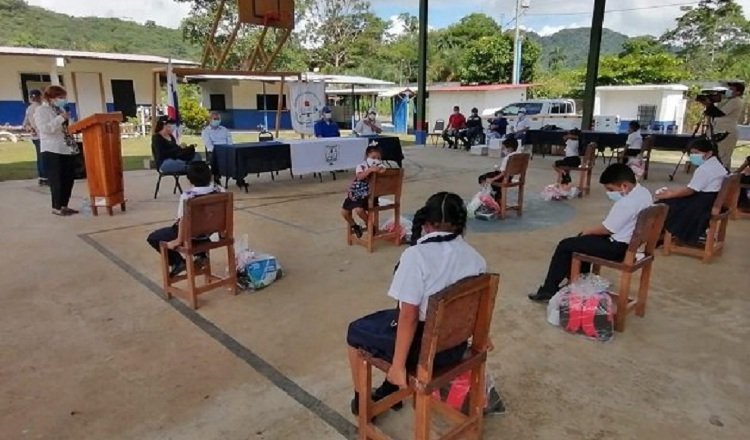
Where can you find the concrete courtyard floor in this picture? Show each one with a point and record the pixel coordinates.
(90, 349)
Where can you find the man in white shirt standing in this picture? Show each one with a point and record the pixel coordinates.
(215, 134)
(607, 240)
(35, 100)
(732, 107)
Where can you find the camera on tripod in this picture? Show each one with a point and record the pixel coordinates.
(709, 98)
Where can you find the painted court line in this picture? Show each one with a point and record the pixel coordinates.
(276, 377)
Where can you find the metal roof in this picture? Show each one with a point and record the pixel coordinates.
(309, 76)
(122, 57)
(477, 88)
(644, 87)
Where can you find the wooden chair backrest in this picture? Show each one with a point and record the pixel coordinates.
(517, 165)
(589, 156)
(439, 125)
(724, 201)
(648, 144)
(205, 215)
(388, 183)
(648, 229)
(458, 313)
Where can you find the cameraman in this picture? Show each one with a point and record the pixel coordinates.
(732, 108)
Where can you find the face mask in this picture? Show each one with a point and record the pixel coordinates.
(371, 117)
(697, 159)
(614, 195)
(372, 162)
(170, 127)
(327, 116)
(729, 93)
(61, 102)
(215, 123)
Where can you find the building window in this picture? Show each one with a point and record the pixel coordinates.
(270, 102)
(218, 102)
(646, 114)
(31, 81)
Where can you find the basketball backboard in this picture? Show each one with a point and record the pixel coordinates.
(271, 13)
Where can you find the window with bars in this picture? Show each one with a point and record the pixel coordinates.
(646, 115)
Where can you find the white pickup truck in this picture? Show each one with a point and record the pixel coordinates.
(541, 112)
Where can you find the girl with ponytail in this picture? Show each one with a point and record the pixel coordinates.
(438, 258)
(690, 206)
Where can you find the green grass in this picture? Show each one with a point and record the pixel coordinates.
(18, 161)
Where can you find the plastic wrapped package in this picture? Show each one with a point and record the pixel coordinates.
(255, 271)
(584, 307)
(473, 205)
(559, 192)
(456, 393)
(404, 227)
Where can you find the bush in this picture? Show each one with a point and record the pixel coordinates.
(193, 116)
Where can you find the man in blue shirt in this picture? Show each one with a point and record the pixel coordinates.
(326, 127)
(215, 134)
(498, 126)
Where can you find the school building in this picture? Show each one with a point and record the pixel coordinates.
(442, 98)
(96, 82)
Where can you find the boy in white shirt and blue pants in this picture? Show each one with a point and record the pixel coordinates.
(609, 239)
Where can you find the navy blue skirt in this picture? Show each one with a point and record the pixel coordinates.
(688, 217)
(376, 334)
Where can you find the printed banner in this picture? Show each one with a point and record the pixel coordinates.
(326, 154)
(306, 99)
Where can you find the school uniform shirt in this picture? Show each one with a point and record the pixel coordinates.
(635, 141)
(195, 192)
(623, 216)
(571, 148)
(216, 136)
(708, 177)
(426, 269)
(51, 130)
(28, 121)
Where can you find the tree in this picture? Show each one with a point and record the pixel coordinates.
(557, 59)
(704, 34)
(490, 60)
(643, 45)
(660, 68)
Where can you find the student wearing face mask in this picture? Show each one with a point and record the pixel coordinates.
(609, 239)
(690, 206)
(215, 134)
(326, 127)
(368, 126)
(732, 107)
(58, 147)
(356, 202)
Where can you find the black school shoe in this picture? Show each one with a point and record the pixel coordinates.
(541, 296)
(357, 230)
(495, 405)
(379, 393)
(177, 269)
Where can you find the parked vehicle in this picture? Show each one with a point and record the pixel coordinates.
(541, 112)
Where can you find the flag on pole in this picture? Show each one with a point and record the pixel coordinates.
(173, 106)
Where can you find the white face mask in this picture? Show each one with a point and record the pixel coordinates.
(372, 162)
(327, 116)
(371, 117)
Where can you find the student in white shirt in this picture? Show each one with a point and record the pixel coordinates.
(199, 175)
(690, 206)
(358, 193)
(215, 134)
(510, 147)
(634, 143)
(436, 260)
(368, 126)
(572, 157)
(609, 239)
(29, 124)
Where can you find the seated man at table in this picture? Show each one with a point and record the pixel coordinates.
(473, 129)
(521, 127)
(326, 127)
(215, 134)
(456, 122)
(498, 126)
(368, 126)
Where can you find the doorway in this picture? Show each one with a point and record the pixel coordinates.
(123, 97)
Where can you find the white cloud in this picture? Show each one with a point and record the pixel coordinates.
(164, 12)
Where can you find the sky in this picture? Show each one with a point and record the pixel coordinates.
(630, 17)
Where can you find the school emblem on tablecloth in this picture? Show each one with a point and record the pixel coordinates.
(332, 154)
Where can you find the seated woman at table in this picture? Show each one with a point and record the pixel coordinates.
(169, 155)
(368, 126)
(326, 127)
(572, 157)
(690, 206)
(744, 172)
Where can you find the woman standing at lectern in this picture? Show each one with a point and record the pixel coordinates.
(57, 147)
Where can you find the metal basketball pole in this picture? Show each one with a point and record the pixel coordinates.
(420, 130)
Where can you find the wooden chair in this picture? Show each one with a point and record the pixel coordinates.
(646, 149)
(437, 131)
(204, 216)
(389, 183)
(645, 236)
(517, 166)
(586, 169)
(737, 213)
(717, 226)
(459, 313)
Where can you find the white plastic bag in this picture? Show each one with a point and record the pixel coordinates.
(405, 226)
(474, 204)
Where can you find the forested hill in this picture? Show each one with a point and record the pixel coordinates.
(573, 45)
(31, 26)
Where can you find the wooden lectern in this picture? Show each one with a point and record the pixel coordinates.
(102, 152)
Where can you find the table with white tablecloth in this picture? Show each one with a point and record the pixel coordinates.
(323, 155)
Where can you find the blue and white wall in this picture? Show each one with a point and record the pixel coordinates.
(12, 105)
(242, 111)
(623, 101)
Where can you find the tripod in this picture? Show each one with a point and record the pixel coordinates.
(706, 129)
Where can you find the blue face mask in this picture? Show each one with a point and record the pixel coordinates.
(215, 123)
(614, 195)
(61, 102)
(697, 159)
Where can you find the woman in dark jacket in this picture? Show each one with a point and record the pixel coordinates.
(170, 157)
